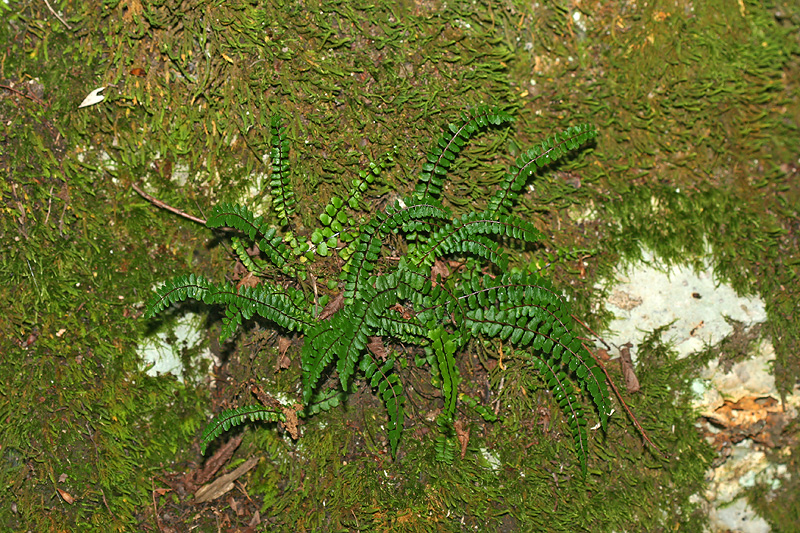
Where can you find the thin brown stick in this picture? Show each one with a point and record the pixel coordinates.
(616, 391)
(155, 505)
(57, 15)
(28, 96)
(162, 205)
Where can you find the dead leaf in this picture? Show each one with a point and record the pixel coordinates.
(292, 422)
(462, 434)
(283, 361)
(626, 365)
(263, 397)
(235, 506)
(161, 491)
(375, 345)
(223, 484)
(215, 462)
(249, 280)
(439, 271)
(66, 496)
(761, 418)
(333, 306)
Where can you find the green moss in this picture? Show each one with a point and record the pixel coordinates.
(713, 114)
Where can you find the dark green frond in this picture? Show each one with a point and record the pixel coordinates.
(252, 264)
(176, 290)
(283, 200)
(444, 346)
(549, 151)
(234, 417)
(448, 146)
(368, 246)
(255, 227)
(465, 236)
(324, 401)
(564, 394)
(525, 310)
(445, 446)
(284, 307)
(390, 390)
(473, 404)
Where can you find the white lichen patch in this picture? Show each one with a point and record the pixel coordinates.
(644, 298)
(740, 398)
(492, 460)
(163, 352)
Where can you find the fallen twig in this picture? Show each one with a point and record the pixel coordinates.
(616, 391)
(57, 15)
(162, 205)
(28, 96)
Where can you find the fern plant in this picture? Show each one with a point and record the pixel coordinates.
(407, 303)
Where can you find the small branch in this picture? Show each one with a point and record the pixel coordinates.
(28, 96)
(616, 391)
(162, 205)
(57, 16)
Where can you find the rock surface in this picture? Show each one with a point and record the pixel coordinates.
(739, 409)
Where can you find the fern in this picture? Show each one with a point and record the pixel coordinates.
(406, 303)
(444, 152)
(234, 417)
(283, 200)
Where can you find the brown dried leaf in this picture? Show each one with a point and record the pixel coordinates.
(462, 434)
(249, 280)
(235, 506)
(263, 397)
(66, 496)
(223, 484)
(626, 365)
(375, 345)
(438, 269)
(761, 418)
(215, 462)
(283, 361)
(333, 307)
(291, 420)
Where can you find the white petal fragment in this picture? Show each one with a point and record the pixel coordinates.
(93, 98)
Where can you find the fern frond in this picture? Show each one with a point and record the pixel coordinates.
(284, 307)
(176, 290)
(448, 146)
(234, 417)
(343, 338)
(445, 446)
(564, 394)
(252, 264)
(230, 322)
(464, 236)
(444, 346)
(548, 151)
(283, 199)
(324, 401)
(525, 310)
(255, 227)
(473, 404)
(368, 246)
(390, 390)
